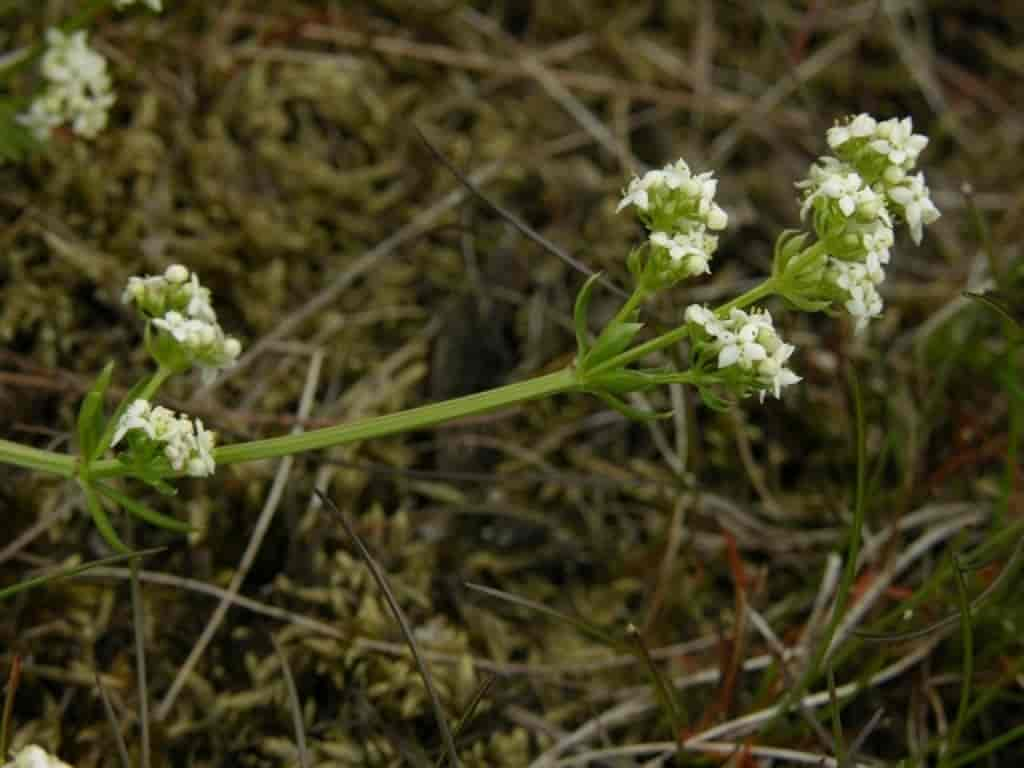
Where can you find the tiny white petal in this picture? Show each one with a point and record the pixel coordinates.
(728, 356)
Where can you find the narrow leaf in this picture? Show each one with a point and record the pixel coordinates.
(108, 432)
(90, 414)
(142, 511)
(662, 686)
(613, 340)
(581, 311)
(629, 411)
(102, 522)
(67, 573)
(624, 381)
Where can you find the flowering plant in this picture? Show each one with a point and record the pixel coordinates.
(853, 201)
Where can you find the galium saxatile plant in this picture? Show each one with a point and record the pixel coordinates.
(851, 202)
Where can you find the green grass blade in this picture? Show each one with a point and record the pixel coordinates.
(68, 573)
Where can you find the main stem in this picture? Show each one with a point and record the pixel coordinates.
(381, 426)
(34, 458)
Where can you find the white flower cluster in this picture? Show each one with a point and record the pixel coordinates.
(154, 5)
(78, 89)
(186, 444)
(852, 198)
(689, 253)
(885, 152)
(180, 306)
(35, 757)
(680, 210)
(748, 341)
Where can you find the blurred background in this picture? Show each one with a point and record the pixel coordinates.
(273, 147)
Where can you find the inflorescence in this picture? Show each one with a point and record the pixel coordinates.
(745, 347)
(186, 445)
(187, 329)
(78, 89)
(854, 198)
(680, 211)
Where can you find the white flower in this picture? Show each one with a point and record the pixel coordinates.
(637, 191)
(859, 284)
(201, 463)
(865, 139)
(833, 181)
(135, 416)
(180, 306)
(688, 253)
(187, 445)
(175, 290)
(199, 305)
(176, 274)
(914, 200)
(36, 757)
(773, 372)
(860, 127)
(673, 199)
(742, 352)
(702, 316)
(896, 141)
(868, 243)
(154, 5)
(78, 89)
(204, 341)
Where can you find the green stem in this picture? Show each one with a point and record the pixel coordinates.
(755, 294)
(153, 385)
(380, 426)
(767, 288)
(630, 306)
(35, 458)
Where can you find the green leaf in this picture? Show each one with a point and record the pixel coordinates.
(623, 381)
(629, 411)
(581, 311)
(108, 432)
(613, 341)
(635, 262)
(99, 517)
(788, 244)
(807, 305)
(67, 573)
(712, 400)
(90, 415)
(142, 511)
